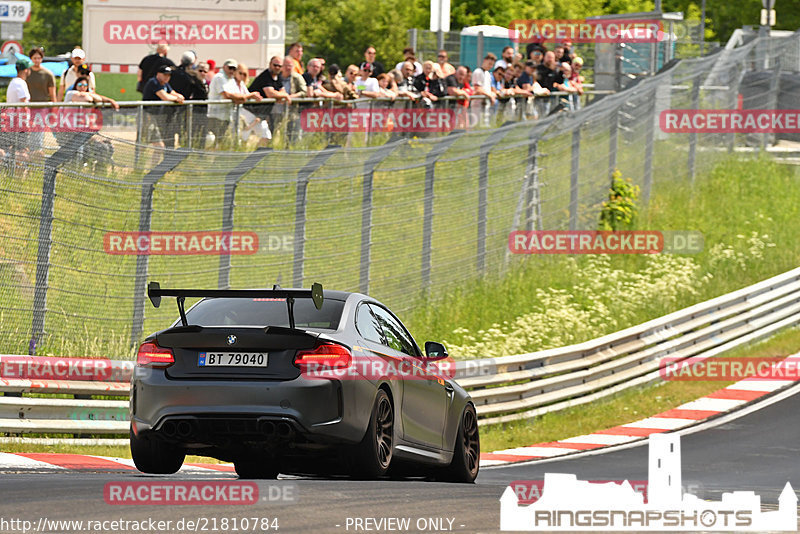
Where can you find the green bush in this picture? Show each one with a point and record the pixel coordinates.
(620, 210)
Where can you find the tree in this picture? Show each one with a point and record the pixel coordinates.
(54, 24)
(724, 16)
(340, 30)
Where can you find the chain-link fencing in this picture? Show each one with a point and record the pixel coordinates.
(89, 218)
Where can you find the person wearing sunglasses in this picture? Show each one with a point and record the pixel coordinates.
(81, 93)
(78, 57)
(188, 81)
(203, 70)
(252, 122)
(269, 82)
(446, 68)
(223, 87)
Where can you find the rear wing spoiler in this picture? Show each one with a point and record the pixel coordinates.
(155, 292)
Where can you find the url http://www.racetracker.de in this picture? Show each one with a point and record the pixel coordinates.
(45, 525)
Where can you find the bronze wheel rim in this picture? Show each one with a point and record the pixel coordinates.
(384, 421)
(471, 441)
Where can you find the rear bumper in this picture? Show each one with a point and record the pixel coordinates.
(208, 410)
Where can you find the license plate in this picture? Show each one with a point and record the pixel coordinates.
(232, 359)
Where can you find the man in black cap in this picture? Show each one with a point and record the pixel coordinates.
(162, 118)
(188, 82)
(151, 64)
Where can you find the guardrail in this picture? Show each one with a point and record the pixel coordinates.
(523, 386)
(504, 389)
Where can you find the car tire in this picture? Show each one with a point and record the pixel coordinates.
(154, 456)
(251, 468)
(373, 456)
(467, 450)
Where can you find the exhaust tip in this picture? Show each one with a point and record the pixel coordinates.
(169, 428)
(183, 429)
(267, 428)
(285, 430)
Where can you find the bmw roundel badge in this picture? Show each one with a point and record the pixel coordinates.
(231, 339)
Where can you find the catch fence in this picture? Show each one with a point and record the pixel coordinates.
(404, 221)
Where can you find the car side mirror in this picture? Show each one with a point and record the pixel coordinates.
(435, 351)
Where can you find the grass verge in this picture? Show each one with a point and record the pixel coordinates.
(121, 87)
(746, 211)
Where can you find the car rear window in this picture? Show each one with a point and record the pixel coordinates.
(265, 312)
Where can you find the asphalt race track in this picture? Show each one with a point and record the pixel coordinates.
(758, 451)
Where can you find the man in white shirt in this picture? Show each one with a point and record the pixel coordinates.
(366, 85)
(223, 86)
(78, 57)
(408, 55)
(482, 78)
(18, 88)
(18, 93)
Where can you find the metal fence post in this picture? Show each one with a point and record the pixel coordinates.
(772, 102)
(412, 38)
(51, 166)
(189, 123)
(303, 177)
(139, 134)
(373, 161)
(172, 159)
(427, 217)
(479, 59)
(733, 103)
(613, 139)
(533, 207)
(693, 135)
(231, 181)
(649, 136)
(483, 193)
(573, 181)
(236, 125)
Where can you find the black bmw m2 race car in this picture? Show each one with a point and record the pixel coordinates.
(298, 381)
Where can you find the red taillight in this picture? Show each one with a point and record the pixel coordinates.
(151, 355)
(328, 356)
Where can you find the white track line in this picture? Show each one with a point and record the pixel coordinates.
(759, 385)
(712, 405)
(662, 423)
(536, 451)
(600, 439)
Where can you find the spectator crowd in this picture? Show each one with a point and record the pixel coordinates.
(508, 84)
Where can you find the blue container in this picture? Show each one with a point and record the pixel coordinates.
(469, 48)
